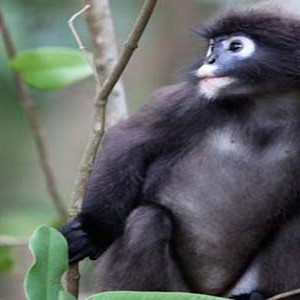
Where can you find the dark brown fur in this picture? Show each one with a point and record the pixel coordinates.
(177, 207)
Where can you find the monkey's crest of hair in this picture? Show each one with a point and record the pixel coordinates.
(269, 22)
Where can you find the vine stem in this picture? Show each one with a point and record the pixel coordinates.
(30, 110)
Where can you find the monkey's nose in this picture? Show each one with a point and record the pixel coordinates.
(211, 59)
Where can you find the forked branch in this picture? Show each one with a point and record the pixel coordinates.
(100, 111)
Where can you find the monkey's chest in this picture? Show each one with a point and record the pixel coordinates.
(221, 194)
(224, 169)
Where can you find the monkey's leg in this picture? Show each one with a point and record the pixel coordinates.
(279, 263)
(141, 259)
(276, 268)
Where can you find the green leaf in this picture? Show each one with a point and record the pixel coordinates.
(49, 250)
(6, 259)
(151, 296)
(51, 67)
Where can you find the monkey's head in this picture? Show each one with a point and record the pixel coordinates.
(255, 50)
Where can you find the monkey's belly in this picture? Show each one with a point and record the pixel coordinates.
(221, 204)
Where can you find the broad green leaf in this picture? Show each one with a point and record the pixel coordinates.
(6, 259)
(151, 296)
(51, 67)
(49, 250)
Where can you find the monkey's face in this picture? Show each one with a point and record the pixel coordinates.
(228, 57)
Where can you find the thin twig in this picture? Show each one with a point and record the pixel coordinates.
(129, 47)
(100, 120)
(29, 108)
(73, 275)
(100, 24)
(81, 47)
(73, 279)
(285, 295)
(72, 27)
(102, 99)
(12, 241)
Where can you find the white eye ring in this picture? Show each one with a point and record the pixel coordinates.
(247, 46)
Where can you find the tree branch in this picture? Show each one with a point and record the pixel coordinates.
(81, 47)
(97, 28)
(12, 241)
(285, 295)
(102, 99)
(129, 47)
(30, 111)
(101, 28)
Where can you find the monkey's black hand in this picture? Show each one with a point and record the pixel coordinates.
(252, 296)
(80, 245)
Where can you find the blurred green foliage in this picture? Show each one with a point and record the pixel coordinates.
(24, 202)
(6, 259)
(50, 68)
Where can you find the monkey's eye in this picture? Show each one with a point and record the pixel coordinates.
(240, 46)
(235, 46)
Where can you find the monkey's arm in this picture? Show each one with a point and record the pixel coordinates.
(114, 187)
(112, 192)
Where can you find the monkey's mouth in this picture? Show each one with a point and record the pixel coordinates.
(210, 86)
(216, 79)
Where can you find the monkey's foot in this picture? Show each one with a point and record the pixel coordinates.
(252, 296)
